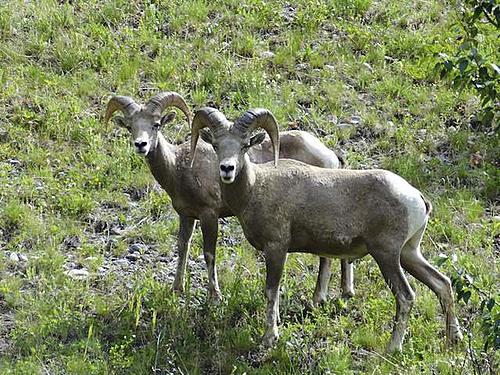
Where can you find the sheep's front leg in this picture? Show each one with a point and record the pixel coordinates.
(347, 278)
(275, 262)
(209, 228)
(186, 226)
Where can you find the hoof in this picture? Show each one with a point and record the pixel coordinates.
(319, 301)
(178, 288)
(215, 296)
(454, 335)
(348, 294)
(269, 339)
(393, 348)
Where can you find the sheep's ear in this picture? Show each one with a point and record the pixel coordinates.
(206, 135)
(120, 121)
(257, 139)
(169, 117)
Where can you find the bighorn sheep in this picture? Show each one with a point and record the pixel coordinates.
(195, 193)
(294, 207)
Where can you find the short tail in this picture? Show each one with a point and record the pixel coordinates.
(428, 205)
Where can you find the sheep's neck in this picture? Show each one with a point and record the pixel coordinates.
(161, 161)
(237, 194)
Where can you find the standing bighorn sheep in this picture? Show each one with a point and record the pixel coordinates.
(195, 192)
(293, 207)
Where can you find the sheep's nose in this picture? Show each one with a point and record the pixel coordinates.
(226, 168)
(141, 144)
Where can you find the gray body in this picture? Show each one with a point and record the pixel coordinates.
(195, 192)
(290, 206)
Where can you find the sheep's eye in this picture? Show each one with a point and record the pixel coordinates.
(215, 147)
(157, 125)
(245, 146)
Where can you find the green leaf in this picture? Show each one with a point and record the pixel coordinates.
(462, 65)
(466, 296)
(490, 304)
(441, 259)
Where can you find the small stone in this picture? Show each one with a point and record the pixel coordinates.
(356, 120)
(345, 126)
(72, 242)
(116, 230)
(22, 257)
(266, 54)
(78, 274)
(14, 257)
(332, 119)
(452, 129)
(14, 162)
(368, 66)
(133, 257)
(329, 67)
(121, 262)
(137, 247)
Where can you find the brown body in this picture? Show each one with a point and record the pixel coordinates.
(291, 206)
(195, 192)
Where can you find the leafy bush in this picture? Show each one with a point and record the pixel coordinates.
(475, 64)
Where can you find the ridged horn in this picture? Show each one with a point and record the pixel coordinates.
(162, 100)
(206, 117)
(125, 104)
(258, 118)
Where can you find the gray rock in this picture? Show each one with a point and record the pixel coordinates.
(137, 247)
(116, 230)
(356, 120)
(368, 66)
(332, 119)
(121, 262)
(133, 256)
(267, 54)
(22, 257)
(14, 257)
(14, 162)
(78, 274)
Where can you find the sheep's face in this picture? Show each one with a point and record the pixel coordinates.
(144, 127)
(231, 150)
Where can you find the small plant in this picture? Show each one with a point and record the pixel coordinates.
(482, 304)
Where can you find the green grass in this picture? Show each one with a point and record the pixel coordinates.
(63, 174)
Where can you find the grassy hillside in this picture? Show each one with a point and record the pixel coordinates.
(87, 238)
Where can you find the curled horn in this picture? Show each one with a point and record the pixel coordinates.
(258, 118)
(206, 117)
(125, 104)
(162, 100)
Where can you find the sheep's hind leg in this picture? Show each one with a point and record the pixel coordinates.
(324, 275)
(389, 264)
(275, 262)
(209, 228)
(346, 278)
(186, 227)
(414, 262)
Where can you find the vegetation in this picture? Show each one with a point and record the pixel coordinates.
(76, 202)
(475, 62)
